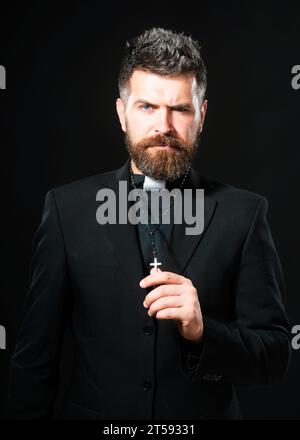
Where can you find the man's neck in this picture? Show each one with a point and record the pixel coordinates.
(135, 169)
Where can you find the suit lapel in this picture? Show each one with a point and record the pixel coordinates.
(183, 246)
(124, 237)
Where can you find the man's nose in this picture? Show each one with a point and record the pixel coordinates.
(164, 123)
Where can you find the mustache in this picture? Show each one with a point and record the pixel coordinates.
(161, 140)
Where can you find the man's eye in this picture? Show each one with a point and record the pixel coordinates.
(145, 107)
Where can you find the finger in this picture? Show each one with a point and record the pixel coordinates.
(162, 277)
(170, 313)
(165, 302)
(162, 291)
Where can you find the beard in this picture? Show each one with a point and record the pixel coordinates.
(162, 164)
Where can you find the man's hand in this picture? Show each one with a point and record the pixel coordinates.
(174, 298)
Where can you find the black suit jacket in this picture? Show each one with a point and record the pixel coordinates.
(129, 365)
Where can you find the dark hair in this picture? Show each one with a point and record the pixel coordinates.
(163, 52)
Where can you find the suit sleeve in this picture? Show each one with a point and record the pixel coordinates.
(253, 349)
(34, 374)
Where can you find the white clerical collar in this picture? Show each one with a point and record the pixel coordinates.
(150, 183)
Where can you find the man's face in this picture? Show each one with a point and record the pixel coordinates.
(162, 118)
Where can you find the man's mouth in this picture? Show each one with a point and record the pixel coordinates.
(163, 147)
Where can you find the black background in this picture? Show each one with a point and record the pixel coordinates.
(58, 123)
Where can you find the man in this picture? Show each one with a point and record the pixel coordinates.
(172, 343)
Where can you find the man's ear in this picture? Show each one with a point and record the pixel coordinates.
(120, 106)
(203, 112)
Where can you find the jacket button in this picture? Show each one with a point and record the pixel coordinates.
(147, 385)
(148, 330)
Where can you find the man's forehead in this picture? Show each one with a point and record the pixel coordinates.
(147, 85)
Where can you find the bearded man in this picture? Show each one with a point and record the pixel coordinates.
(165, 324)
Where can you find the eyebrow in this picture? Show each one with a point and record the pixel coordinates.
(186, 106)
